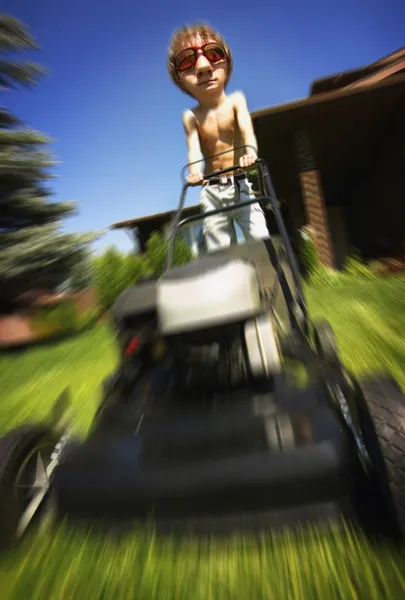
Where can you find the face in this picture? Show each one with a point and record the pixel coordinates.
(202, 67)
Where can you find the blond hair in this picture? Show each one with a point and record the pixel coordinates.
(185, 35)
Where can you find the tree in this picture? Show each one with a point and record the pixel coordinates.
(33, 252)
(156, 253)
(81, 276)
(114, 271)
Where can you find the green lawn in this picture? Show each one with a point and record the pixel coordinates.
(369, 320)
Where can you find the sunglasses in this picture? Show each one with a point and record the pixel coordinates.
(188, 57)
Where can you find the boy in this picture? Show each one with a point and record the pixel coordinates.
(200, 64)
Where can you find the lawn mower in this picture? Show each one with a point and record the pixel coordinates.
(230, 410)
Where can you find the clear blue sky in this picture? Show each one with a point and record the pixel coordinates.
(113, 112)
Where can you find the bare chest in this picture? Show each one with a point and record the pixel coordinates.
(217, 125)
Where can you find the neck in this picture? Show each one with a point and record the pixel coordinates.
(212, 101)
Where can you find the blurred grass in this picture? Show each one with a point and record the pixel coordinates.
(31, 381)
(368, 317)
(369, 320)
(317, 564)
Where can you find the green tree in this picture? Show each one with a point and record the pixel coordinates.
(33, 251)
(81, 276)
(156, 253)
(113, 272)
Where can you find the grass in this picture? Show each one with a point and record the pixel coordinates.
(31, 381)
(368, 317)
(369, 320)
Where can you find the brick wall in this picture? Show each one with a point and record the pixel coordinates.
(312, 194)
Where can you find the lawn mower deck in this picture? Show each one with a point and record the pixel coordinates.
(279, 454)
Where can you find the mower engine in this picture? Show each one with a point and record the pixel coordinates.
(207, 312)
(213, 318)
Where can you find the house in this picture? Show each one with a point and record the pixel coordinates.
(337, 160)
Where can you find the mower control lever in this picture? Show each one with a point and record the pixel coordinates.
(267, 197)
(221, 171)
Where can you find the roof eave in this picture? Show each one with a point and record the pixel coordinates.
(325, 97)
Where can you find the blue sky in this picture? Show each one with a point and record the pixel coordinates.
(114, 114)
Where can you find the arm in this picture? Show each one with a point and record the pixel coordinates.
(246, 129)
(193, 147)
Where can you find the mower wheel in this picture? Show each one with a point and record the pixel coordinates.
(325, 343)
(24, 455)
(382, 417)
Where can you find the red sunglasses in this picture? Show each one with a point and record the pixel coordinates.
(188, 57)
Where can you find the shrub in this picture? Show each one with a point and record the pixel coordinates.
(115, 271)
(308, 255)
(325, 277)
(62, 319)
(86, 318)
(59, 319)
(355, 267)
(156, 253)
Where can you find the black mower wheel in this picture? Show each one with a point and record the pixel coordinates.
(382, 417)
(19, 450)
(325, 343)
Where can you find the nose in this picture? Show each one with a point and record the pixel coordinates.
(203, 66)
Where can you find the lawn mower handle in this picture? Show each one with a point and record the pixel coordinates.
(215, 173)
(267, 196)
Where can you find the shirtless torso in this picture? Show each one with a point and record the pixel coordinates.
(214, 130)
(219, 131)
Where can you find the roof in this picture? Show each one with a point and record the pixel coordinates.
(164, 216)
(390, 77)
(341, 80)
